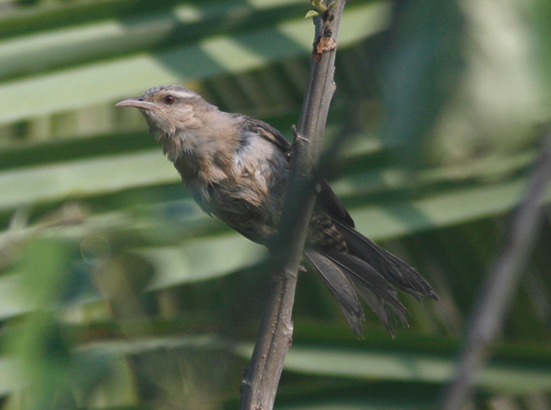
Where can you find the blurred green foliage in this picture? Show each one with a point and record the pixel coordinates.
(117, 292)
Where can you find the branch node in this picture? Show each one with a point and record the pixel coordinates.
(297, 136)
(246, 382)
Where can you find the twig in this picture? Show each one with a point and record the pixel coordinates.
(259, 387)
(501, 282)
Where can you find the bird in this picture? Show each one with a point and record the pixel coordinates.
(236, 168)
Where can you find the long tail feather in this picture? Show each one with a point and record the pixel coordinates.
(341, 287)
(373, 288)
(389, 266)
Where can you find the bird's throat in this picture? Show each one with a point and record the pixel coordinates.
(199, 159)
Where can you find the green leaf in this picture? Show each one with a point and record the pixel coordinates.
(395, 364)
(421, 70)
(108, 80)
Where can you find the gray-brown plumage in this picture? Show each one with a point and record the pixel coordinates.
(236, 168)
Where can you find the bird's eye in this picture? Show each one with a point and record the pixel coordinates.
(169, 99)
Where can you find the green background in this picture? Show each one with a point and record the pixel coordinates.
(116, 291)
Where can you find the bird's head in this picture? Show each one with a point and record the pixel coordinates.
(170, 109)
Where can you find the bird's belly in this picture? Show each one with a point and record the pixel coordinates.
(251, 210)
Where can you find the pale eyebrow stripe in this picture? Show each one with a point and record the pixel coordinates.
(181, 93)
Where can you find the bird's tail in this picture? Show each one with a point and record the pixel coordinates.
(370, 271)
(393, 269)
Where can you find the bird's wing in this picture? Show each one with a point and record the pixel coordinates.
(326, 199)
(332, 205)
(393, 269)
(266, 131)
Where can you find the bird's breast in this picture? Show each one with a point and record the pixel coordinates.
(244, 190)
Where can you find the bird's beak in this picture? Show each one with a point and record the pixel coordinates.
(137, 103)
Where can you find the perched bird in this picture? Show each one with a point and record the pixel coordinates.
(236, 168)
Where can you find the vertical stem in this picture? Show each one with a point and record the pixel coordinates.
(501, 282)
(259, 387)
